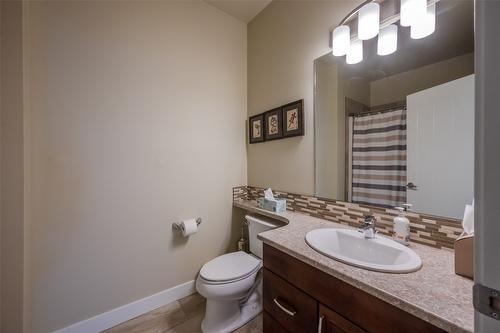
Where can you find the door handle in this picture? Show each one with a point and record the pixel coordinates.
(291, 313)
(412, 186)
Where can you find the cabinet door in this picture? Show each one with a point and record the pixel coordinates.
(332, 322)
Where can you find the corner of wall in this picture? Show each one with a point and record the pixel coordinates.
(12, 151)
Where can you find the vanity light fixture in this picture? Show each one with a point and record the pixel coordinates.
(419, 15)
(412, 11)
(425, 26)
(387, 40)
(368, 21)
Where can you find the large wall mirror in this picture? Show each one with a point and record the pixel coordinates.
(400, 128)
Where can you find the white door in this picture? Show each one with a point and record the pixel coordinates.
(440, 148)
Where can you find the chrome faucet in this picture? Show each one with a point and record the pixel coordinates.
(368, 226)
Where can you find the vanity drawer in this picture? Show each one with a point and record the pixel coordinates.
(291, 308)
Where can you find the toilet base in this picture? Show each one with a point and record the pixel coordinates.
(225, 317)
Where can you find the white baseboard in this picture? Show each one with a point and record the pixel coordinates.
(126, 312)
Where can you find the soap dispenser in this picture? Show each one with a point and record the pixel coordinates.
(402, 226)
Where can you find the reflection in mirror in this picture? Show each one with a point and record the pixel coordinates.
(400, 128)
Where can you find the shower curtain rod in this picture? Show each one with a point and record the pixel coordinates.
(401, 105)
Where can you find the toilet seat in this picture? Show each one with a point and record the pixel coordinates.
(229, 268)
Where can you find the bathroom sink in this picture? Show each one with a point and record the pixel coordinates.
(351, 247)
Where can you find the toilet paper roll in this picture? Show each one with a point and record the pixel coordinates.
(189, 227)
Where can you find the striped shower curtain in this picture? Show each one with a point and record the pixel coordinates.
(379, 159)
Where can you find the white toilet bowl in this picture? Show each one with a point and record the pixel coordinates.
(232, 285)
(233, 291)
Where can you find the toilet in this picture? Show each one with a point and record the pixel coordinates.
(232, 283)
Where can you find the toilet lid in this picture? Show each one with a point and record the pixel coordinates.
(229, 267)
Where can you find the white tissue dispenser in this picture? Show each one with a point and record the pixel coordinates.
(272, 205)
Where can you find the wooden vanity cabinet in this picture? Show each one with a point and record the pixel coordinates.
(298, 295)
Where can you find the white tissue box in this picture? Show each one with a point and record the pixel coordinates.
(272, 205)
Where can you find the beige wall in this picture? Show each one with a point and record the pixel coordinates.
(396, 87)
(283, 41)
(138, 120)
(12, 171)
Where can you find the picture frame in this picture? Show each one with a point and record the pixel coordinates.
(256, 128)
(273, 122)
(293, 118)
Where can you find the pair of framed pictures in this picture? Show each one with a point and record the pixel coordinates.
(283, 122)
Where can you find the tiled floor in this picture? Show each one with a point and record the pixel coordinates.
(182, 316)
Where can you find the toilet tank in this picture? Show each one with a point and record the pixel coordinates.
(256, 225)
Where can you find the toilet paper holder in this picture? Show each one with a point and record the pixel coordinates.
(177, 226)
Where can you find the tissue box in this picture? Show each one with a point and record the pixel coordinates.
(272, 205)
(464, 256)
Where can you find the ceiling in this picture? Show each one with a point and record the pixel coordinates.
(243, 10)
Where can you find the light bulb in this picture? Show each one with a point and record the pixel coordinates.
(368, 21)
(387, 40)
(412, 11)
(341, 37)
(426, 25)
(355, 52)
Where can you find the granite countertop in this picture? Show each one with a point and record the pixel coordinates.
(434, 293)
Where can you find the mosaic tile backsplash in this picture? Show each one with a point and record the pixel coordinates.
(429, 230)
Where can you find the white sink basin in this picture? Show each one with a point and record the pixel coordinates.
(351, 247)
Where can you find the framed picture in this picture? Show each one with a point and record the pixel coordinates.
(293, 119)
(256, 128)
(273, 120)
